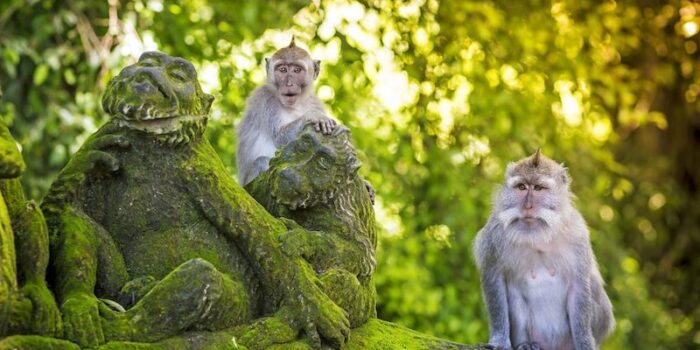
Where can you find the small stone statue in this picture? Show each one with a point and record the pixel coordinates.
(313, 182)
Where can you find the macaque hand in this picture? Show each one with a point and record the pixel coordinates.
(46, 319)
(81, 320)
(326, 125)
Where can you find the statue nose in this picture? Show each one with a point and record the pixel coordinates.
(144, 87)
(291, 178)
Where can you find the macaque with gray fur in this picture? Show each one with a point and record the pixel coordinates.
(539, 277)
(277, 111)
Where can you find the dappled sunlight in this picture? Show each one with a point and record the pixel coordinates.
(440, 95)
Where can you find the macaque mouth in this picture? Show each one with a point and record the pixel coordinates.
(289, 94)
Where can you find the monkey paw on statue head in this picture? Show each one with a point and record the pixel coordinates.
(539, 277)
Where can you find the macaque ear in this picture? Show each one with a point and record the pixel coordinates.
(317, 68)
(509, 169)
(563, 175)
(267, 65)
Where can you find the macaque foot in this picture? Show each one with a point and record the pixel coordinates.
(528, 346)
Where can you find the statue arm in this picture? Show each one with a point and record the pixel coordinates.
(327, 249)
(289, 282)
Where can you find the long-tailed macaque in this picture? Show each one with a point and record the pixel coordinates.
(539, 277)
(276, 111)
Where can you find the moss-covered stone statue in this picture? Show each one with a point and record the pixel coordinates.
(145, 217)
(154, 246)
(314, 183)
(26, 304)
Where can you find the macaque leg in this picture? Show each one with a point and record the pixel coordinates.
(518, 314)
(194, 296)
(346, 291)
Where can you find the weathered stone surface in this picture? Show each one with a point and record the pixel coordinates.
(313, 183)
(26, 304)
(373, 335)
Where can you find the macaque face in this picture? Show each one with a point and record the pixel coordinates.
(531, 202)
(292, 79)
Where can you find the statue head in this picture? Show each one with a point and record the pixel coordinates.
(312, 168)
(159, 95)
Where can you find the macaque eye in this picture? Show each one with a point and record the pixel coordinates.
(521, 187)
(297, 69)
(539, 188)
(282, 69)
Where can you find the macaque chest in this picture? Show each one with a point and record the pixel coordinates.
(542, 289)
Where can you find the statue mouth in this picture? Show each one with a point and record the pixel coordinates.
(162, 125)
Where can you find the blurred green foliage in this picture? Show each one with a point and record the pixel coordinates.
(440, 96)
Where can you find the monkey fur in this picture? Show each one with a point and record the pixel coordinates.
(539, 276)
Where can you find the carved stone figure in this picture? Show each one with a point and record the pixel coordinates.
(26, 304)
(313, 181)
(146, 214)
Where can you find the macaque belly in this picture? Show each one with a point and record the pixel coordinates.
(546, 319)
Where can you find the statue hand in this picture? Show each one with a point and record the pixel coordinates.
(46, 319)
(316, 314)
(296, 243)
(81, 320)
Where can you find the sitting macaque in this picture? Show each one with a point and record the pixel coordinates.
(539, 276)
(26, 304)
(276, 111)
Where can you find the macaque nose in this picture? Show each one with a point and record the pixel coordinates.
(528, 201)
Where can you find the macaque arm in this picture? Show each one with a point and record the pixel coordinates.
(580, 302)
(493, 285)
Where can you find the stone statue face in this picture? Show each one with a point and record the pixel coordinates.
(313, 167)
(159, 95)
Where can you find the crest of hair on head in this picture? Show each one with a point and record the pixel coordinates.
(292, 43)
(536, 157)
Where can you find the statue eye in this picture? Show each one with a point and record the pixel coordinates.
(148, 63)
(179, 75)
(521, 187)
